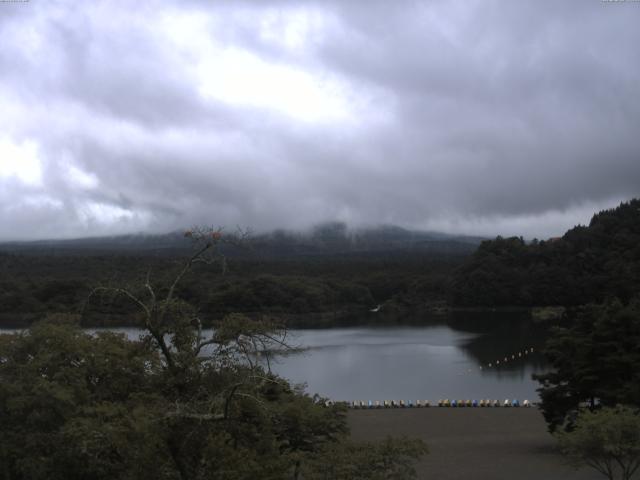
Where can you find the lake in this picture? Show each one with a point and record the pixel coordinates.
(427, 363)
(440, 360)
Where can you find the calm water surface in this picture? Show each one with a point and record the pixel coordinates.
(426, 362)
(412, 363)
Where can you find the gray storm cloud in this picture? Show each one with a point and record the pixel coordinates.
(487, 117)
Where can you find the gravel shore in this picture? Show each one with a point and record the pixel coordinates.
(473, 443)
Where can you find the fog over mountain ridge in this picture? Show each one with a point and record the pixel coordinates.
(330, 237)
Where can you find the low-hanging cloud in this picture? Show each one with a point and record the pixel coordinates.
(484, 117)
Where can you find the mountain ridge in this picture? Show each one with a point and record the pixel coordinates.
(327, 238)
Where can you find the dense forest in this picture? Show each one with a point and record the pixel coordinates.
(587, 264)
(328, 276)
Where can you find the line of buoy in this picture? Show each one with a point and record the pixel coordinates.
(446, 403)
(508, 358)
(505, 360)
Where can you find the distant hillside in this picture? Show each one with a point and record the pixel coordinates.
(330, 238)
(322, 278)
(335, 238)
(588, 264)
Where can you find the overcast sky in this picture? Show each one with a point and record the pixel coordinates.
(481, 117)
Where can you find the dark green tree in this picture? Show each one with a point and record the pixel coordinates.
(587, 264)
(596, 362)
(181, 402)
(607, 440)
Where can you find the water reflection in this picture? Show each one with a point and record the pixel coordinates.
(430, 362)
(439, 360)
(499, 336)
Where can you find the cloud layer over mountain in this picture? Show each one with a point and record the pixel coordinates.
(483, 117)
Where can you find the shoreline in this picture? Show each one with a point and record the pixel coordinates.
(474, 443)
(347, 317)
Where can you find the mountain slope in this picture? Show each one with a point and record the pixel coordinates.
(330, 238)
(588, 264)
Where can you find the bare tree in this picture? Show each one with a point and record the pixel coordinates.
(175, 328)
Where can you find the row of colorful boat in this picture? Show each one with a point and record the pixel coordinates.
(441, 403)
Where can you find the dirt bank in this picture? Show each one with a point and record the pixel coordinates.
(473, 443)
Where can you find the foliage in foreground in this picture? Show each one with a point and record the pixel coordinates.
(607, 440)
(178, 403)
(81, 406)
(595, 363)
